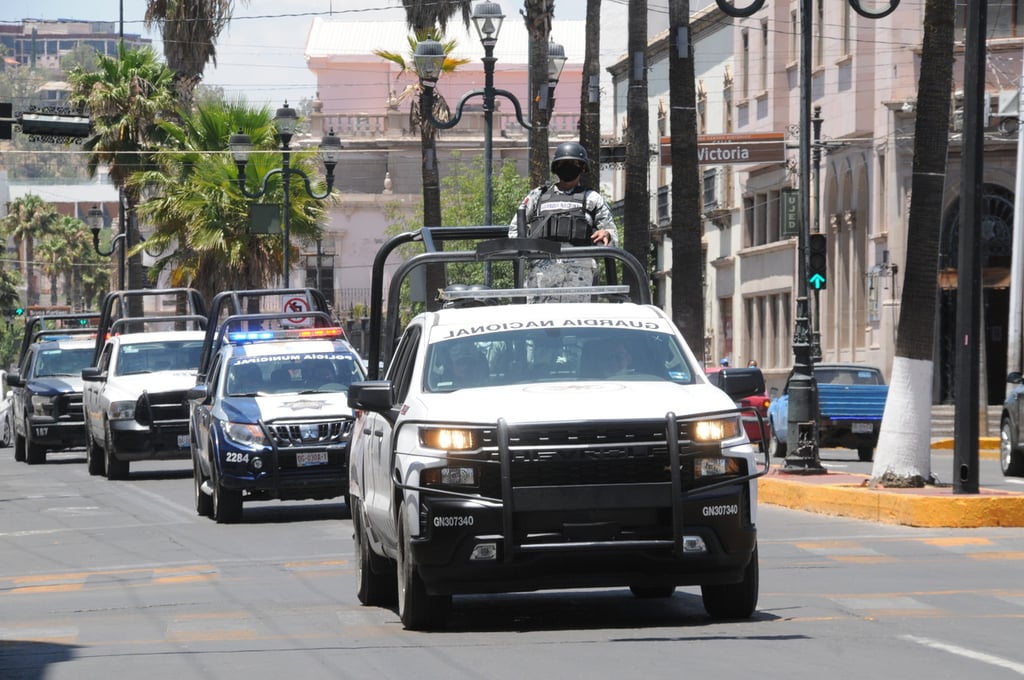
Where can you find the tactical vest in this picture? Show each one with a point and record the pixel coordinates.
(561, 217)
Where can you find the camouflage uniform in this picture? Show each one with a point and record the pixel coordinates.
(566, 272)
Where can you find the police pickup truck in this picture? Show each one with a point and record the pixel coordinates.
(269, 418)
(46, 388)
(518, 447)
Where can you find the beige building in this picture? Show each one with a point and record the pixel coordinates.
(864, 79)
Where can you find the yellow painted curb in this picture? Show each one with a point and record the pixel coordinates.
(988, 447)
(893, 506)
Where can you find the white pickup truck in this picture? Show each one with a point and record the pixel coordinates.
(134, 399)
(517, 447)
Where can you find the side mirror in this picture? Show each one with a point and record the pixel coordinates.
(740, 383)
(371, 395)
(198, 393)
(14, 379)
(92, 374)
(1013, 377)
(773, 392)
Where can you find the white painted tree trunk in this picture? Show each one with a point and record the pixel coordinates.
(904, 445)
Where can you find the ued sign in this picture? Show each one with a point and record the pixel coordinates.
(761, 147)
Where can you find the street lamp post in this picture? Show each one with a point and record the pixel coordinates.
(94, 218)
(285, 121)
(429, 59)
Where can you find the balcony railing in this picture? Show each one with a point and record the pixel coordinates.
(395, 124)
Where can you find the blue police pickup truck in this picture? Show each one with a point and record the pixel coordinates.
(851, 401)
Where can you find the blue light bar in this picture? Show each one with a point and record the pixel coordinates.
(239, 337)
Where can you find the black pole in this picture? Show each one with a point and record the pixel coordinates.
(488, 60)
(286, 203)
(802, 426)
(968, 301)
(816, 121)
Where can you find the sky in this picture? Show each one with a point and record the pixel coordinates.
(260, 55)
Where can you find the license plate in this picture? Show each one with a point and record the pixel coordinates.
(861, 428)
(183, 442)
(312, 458)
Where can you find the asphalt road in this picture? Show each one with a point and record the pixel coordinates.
(103, 579)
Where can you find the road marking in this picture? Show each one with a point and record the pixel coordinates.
(968, 653)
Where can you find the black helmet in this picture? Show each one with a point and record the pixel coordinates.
(570, 151)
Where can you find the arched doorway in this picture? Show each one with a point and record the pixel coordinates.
(995, 245)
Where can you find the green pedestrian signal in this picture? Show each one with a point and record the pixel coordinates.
(19, 311)
(817, 261)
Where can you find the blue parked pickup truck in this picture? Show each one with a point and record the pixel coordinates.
(851, 401)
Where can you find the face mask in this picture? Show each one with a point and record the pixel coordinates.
(568, 172)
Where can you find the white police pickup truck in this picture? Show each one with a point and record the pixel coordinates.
(540, 446)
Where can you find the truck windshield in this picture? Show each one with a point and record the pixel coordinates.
(292, 374)
(555, 354)
(52, 362)
(167, 355)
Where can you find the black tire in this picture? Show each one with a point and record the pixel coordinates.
(95, 461)
(1011, 460)
(417, 609)
(115, 469)
(19, 448)
(652, 592)
(204, 502)
(776, 448)
(35, 454)
(8, 431)
(374, 582)
(226, 503)
(865, 453)
(733, 600)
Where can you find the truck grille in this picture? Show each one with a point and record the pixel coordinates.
(161, 407)
(69, 407)
(286, 434)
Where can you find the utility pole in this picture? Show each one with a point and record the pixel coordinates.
(968, 301)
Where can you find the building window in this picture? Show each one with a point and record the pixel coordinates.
(745, 65)
(763, 75)
(709, 184)
(1003, 21)
(794, 37)
(819, 38)
(847, 29)
(663, 206)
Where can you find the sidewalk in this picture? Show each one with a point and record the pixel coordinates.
(848, 495)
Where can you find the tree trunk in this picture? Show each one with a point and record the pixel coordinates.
(538, 15)
(904, 445)
(636, 196)
(590, 97)
(687, 282)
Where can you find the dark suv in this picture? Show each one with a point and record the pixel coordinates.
(46, 407)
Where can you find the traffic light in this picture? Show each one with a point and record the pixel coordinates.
(55, 125)
(19, 311)
(817, 261)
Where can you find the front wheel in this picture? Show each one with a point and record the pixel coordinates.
(227, 503)
(204, 502)
(733, 600)
(1010, 458)
(35, 454)
(417, 609)
(776, 449)
(373, 582)
(19, 448)
(115, 469)
(94, 456)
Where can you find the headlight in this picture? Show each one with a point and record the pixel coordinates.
(456, 475)
(42, 405)
(716, 430)
(121, 410)
(245, 434)
(716, 467)
(449, 439)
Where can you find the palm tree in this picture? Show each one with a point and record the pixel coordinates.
(201, 217)
(636, 224)
(687, 253)
(189, 31)
(538, 15)
(903, 455)
(428, 133)
(28, 218)
(590, 106)
(56, 254)
(126, 96)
